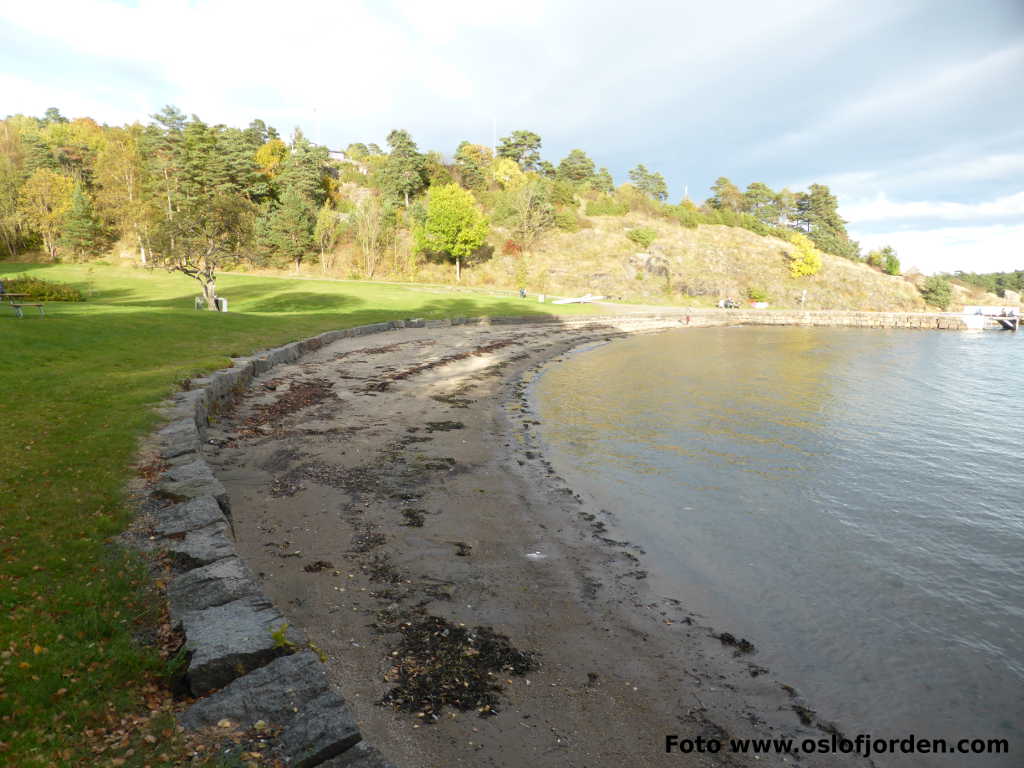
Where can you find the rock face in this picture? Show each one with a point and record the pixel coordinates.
(220, 582)
(227, 641)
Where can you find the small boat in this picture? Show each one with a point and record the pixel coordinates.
(579, 299)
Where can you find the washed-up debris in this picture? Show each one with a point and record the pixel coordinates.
(413, 517)
(319, 565)
(301, 394)
(742, 645)
(438, 663)
(444, 426)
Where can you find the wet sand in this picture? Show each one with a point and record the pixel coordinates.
(389, 478)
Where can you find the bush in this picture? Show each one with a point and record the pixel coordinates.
(805, 259)
(42, 290)
(757, 294)
(606, 205)
(565, 219)
(643, 236)
(937, 291)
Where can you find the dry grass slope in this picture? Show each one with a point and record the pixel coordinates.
(685, 266)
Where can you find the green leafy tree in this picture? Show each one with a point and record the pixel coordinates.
(523, 147)
(725, 196)
(201, 238)
(81, 231)
(937, 291)
(454, 226)
(576, 167)
(405, 173)
(43, 203)
(290, 227)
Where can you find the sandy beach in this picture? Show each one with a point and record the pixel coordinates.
(389, 481)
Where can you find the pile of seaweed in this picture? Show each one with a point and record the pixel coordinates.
(438, 663)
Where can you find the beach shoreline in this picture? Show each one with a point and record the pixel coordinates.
(380, 480)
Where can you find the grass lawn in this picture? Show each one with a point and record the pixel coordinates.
(76, 392)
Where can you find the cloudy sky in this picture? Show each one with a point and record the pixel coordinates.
(910, 110)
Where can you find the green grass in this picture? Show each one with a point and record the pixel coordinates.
(78, 389)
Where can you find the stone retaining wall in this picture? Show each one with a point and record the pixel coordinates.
(243, 657)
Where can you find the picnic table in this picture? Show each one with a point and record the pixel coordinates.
(16, 306)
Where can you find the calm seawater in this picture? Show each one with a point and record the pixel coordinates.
(850, 500)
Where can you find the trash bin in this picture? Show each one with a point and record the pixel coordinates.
(222, 304)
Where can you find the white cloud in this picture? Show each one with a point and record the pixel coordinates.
(993, 248)
(883, 209)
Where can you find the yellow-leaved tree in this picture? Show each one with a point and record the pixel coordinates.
(804, 259)
(43, 203)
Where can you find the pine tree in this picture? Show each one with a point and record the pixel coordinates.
(817, 213)
(405, 173)
(524, 148)
(576, 167)
(290, 228)
(302, 169)
(81, 232)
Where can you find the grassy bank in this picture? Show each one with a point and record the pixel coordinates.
(76, 686)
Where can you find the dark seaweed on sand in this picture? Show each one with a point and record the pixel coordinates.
(438, 663)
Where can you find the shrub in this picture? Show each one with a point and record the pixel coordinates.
(937, 291)
(805, 259)
(42, 290)
(642, 236)
(757, 294)
(606, 205)
(511, 247)
(565, 219)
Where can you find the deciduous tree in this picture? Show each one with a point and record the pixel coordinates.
(43, 203)
(201, 238)
(532, 213)
(453, 227)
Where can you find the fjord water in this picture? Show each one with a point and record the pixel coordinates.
(851, 500)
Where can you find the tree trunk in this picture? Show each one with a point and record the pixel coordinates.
(210, 293)
(458, 269)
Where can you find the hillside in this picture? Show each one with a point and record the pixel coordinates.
(695, 266)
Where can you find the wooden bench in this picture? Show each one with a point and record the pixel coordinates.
(17, 308)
